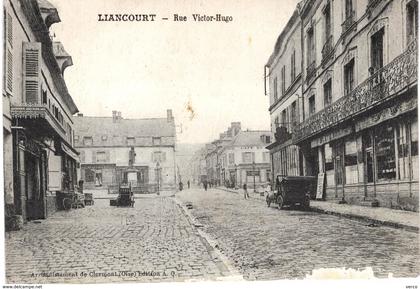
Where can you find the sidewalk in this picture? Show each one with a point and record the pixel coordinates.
(381, 216)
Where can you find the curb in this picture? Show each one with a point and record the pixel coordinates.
(366, 219)
(351, 216)
(228, 271)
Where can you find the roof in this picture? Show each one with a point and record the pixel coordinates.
(283, 36)
(143, 130)
(251, 138)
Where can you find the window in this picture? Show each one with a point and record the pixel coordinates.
(131, 141)
(311, 47)
(312, 105)
(156, 141)
(349, 8)
(248, 157)
(265, 157)
(89, 176)
(100, 157)
(329, 166)
(231, 158)
(385, 152)
(327, 93)
(349, 77)
(283, 79)
(293, 114)
(327, 19)
(412, 21)
(350, 161)
(284, 118)
(276, 122)
(76, 138)
(159, 157)
(275, 89)
(293, 66)
(44, 97)
(104, 137)
(377, 50)
(87, 141)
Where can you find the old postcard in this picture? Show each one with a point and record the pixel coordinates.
(178, 141)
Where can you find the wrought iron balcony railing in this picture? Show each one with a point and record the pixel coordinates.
(383, 84)
(327, 49)
(349, 22)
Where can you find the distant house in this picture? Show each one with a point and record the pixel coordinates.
(246, 160)
(114, 150)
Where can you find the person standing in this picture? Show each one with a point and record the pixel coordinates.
(205, 185)
(246, 195)
(188, 184)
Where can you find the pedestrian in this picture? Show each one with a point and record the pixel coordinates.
(181, 186)
(246, 195)
(188, 183)
(205, 185)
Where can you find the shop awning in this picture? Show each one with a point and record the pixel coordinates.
(70, 152)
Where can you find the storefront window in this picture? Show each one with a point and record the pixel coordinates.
(385, 152)
(350, 162)
(329, 165)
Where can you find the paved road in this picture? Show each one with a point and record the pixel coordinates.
(153, 241)
(265, 243)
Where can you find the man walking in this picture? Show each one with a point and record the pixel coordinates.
(246, 195)
(188, 183)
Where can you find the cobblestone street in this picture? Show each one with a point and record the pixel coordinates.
(153, 241)
(265, 243)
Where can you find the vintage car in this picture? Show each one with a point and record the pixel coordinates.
(292, 191)
(125, 197)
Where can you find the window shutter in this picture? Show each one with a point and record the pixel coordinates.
(253, 157)
(93, 156)
(31, 71)
(107, 153)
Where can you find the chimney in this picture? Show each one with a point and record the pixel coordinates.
(114, 116)
(236, 128)
(169, 116)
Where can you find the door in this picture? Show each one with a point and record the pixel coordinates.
(34, 197)
(369, 166)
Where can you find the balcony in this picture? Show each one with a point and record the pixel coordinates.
(310, 71)
(382, 85)
(30, 114)
(349, 23)
(327, 50)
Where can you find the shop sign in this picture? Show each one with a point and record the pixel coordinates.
(333, 135)
(386, 114)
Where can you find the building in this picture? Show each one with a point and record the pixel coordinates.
(245, 160)
(198, 166)
(115, 150)
(39, 157)
(359, 128)
(213, 160)
(284, 77)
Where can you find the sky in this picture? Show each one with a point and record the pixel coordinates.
(209, 73)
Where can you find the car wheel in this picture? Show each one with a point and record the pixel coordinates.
(280, 201)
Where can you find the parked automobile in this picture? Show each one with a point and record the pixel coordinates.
(292, 191)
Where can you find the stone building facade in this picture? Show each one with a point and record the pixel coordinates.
(284, 78)
(359, 126)
(245, 160)
(114, 150)
(39, 157)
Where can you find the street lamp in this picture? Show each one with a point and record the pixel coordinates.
(157, 169)
(253, 173)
